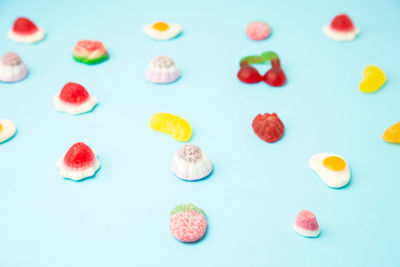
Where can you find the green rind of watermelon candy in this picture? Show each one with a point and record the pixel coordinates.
(91, 61)
(186, 207)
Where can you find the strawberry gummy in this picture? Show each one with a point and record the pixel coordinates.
(275, 76)
(24, 26)
(248, 74)
(79, 156)
(342, 23)
(74, 93)
(268, 127)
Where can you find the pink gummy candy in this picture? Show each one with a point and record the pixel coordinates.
(258, 30)
(306, 224)
(188, 226)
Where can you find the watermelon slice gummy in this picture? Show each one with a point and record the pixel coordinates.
(79, 156)
(24, 26)
(89, 52)
(342, 23)
(74, 93)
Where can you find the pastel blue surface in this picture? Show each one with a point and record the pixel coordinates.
(120, 218)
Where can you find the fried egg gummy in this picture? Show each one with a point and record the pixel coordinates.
(332, 169)
(7, 130)
(172, 125)
(162, 30)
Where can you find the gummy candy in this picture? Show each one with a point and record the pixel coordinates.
(79, 162)
(187, 223)
(89, 52)
(274, 76)
(392, 134)
(79, 156)
(268, 127)
(306, 224)
(7, 130)
(331, 168)
(74, 93)
(258, 30)
(341, 28)
(162, 69)
(25, 31)
(374, 78)
(162, 30)
(172, 125)
(24, 26)
(12, 69)
(74, 99)
(191, 163)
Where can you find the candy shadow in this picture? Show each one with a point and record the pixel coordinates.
(9, 139)
(197, 180)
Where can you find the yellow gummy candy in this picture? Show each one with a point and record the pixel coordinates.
(392, 134)
(172, 125)
(1, 127)
(373, 80)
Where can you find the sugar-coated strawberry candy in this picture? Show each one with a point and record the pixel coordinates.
(79, 156)
(188, 223)
(248, 74)
(74, 93)
(275, 76)
(24, 26)
(306, 224)
(342, 23)
(268, 127)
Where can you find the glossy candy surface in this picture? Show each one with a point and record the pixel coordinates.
(392, 134)
(374, 79)
(342, 22)
(24, 26)
(274, 76)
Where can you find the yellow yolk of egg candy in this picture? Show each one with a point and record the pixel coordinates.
(160, 26)
(1, 127)
(392, 134)
(334, 163)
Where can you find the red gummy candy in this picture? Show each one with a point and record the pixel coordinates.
(275, 76)
(342, 23)
(74, 93)
(268, 127)
(24, 26)
(79, 156)
(248, 74)
(90, 45)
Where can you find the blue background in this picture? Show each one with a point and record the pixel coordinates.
(120, 218)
